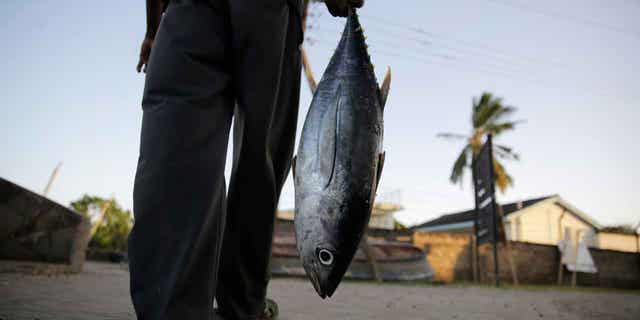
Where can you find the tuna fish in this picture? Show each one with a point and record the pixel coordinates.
(339, 161)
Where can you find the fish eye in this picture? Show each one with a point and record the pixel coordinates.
(325, 256)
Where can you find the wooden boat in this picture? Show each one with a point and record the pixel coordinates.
(396, 261)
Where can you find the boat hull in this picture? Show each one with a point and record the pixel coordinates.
(396, 261)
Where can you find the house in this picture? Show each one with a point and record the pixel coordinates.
(620, 240)
(543, 220)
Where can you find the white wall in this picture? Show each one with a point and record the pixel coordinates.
(545, 223)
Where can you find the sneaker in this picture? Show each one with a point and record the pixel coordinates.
(270, 310)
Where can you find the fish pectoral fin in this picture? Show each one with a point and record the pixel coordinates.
(293, 166)
(380, 166)
(384, 88)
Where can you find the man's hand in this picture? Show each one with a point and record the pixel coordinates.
(341, 7)
(154, 15)
(145, 52)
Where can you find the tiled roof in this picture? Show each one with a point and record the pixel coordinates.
(469, 215)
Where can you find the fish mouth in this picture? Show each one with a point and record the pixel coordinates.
(316, 284)
(324, 288)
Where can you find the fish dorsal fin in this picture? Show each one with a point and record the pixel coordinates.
(384, 88)
(328, 139)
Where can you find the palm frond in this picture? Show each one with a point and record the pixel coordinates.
(485, 113)
(457, 172)
(502, 179)
(502, 113)
(477, 105)
(487, 108)
(505, 152)
(498, 128)
(451, 136)
(486, 98)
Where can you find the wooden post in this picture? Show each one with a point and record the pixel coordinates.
(560, 270)
(52, 178)
(636, 229)
(474, 257)
(305, 60)
(366, 248)
(103, 211)
(574, 276)
(514, 273)
(307, 71)
(560, 238)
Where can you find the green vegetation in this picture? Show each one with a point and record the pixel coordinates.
(488, 116)
(397, 225)
(113, 229)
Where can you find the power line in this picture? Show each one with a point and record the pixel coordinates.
(419, 58)
(470, 44)
(426, 39)
(450, 53)
(454, 54)
(463, 66)
(423, 39)
(386, 45)
(575, 19)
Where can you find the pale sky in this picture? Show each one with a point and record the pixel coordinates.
(70, 93)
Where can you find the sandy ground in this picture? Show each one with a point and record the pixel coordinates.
(101, 292)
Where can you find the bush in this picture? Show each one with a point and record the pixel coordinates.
(113, 231)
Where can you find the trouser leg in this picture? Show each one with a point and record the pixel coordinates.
(266, 36)
(179, 192)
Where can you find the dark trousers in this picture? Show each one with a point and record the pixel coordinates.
(213, 61)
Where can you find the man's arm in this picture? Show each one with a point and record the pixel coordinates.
(154, 15)
(341, 7)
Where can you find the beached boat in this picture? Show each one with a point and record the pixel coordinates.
(396, 261)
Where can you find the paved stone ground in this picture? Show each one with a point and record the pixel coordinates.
(101, 292)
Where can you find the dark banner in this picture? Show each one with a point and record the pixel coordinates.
(483, 183)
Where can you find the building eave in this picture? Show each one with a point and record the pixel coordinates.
(579, 213)
(445, 227)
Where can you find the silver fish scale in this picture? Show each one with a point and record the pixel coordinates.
(336, 168)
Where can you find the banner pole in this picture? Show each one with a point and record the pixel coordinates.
(474, 238)
(496, 268)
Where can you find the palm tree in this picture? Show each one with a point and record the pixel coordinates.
(488, 116)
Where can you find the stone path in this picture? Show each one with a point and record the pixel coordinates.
(101, 292)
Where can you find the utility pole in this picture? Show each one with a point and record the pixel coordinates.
(103, 210)
(52, 178)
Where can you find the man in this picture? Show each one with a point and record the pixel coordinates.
(210, 61)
